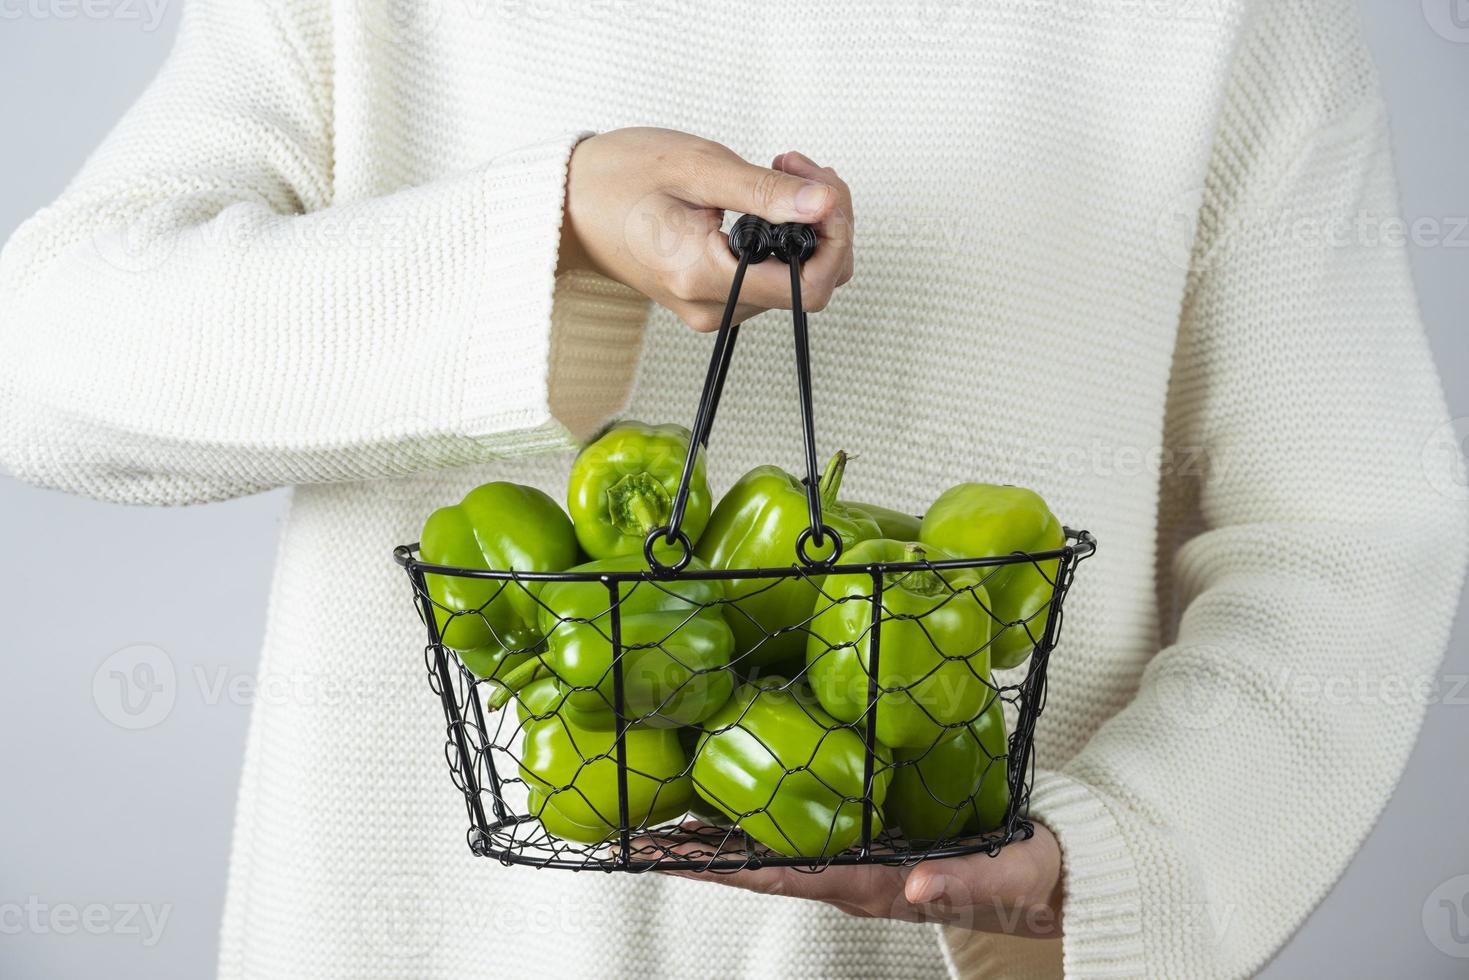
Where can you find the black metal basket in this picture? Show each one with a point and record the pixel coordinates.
(662, 818)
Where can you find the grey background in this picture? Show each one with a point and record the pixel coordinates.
(93, 814)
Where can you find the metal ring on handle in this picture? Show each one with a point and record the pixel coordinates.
(654, 563)
(806, 535)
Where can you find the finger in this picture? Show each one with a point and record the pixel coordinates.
(837, 232)
(732, 184)
(866, 890)
(800, 165)
(1017, 890)
(766, 286)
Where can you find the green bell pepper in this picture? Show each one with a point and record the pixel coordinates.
(934, 653)
(756, 525)
(959, 785)
(622, 487)
(571, 772)
(491, 623)
(786, 772)
(977, 520)
(892, 523)
(676, 645)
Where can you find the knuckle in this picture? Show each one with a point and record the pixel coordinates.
(701, 319)
(684, 285)
(817, 295)
(767, 187)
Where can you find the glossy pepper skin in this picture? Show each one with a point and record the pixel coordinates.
(502, 526)
(676, 645)
(933, 645)
(891, 523)
(786, 772)
(571, 772)
(977, 520)
(959, 785)
(622, 487)
(756, 525)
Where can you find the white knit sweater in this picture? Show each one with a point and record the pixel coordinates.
(320, 252)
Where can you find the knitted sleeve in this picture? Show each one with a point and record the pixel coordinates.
(198, 317)
(1314, 563)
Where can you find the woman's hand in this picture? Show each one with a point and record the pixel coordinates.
(1017, 892)
(644, 207)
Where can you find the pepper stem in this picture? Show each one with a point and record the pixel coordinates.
(508, 686)
(637, 503)
(922, 581)
(831, 478)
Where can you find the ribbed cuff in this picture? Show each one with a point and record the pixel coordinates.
(505, 402)
(596, 336)
(1101, 912)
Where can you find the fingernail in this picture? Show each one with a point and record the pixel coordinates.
(927, 890)
(812, 198)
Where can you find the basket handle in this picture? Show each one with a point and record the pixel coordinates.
(752, 240)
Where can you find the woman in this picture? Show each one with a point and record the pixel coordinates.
(369, 251)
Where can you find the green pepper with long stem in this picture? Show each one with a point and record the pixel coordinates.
(623, 485)
(786, 772)
(958, 785)
(571, 772)
(756, 525)
(933, 650)
(891, 523)
(675, 645)
(492, 623)
(978, 520)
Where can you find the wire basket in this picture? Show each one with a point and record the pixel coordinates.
(654, 788)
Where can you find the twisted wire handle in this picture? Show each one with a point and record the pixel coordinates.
(752, 240)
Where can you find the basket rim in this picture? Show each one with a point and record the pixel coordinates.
(1082, 544)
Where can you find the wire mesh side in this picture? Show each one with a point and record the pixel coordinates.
(602, 743)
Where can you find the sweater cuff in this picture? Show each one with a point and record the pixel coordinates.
(596, 336)
(1101, 911)
(505, 405)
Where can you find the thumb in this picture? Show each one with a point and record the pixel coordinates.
(777, 197)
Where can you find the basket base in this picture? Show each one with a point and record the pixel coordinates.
(704, 848)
